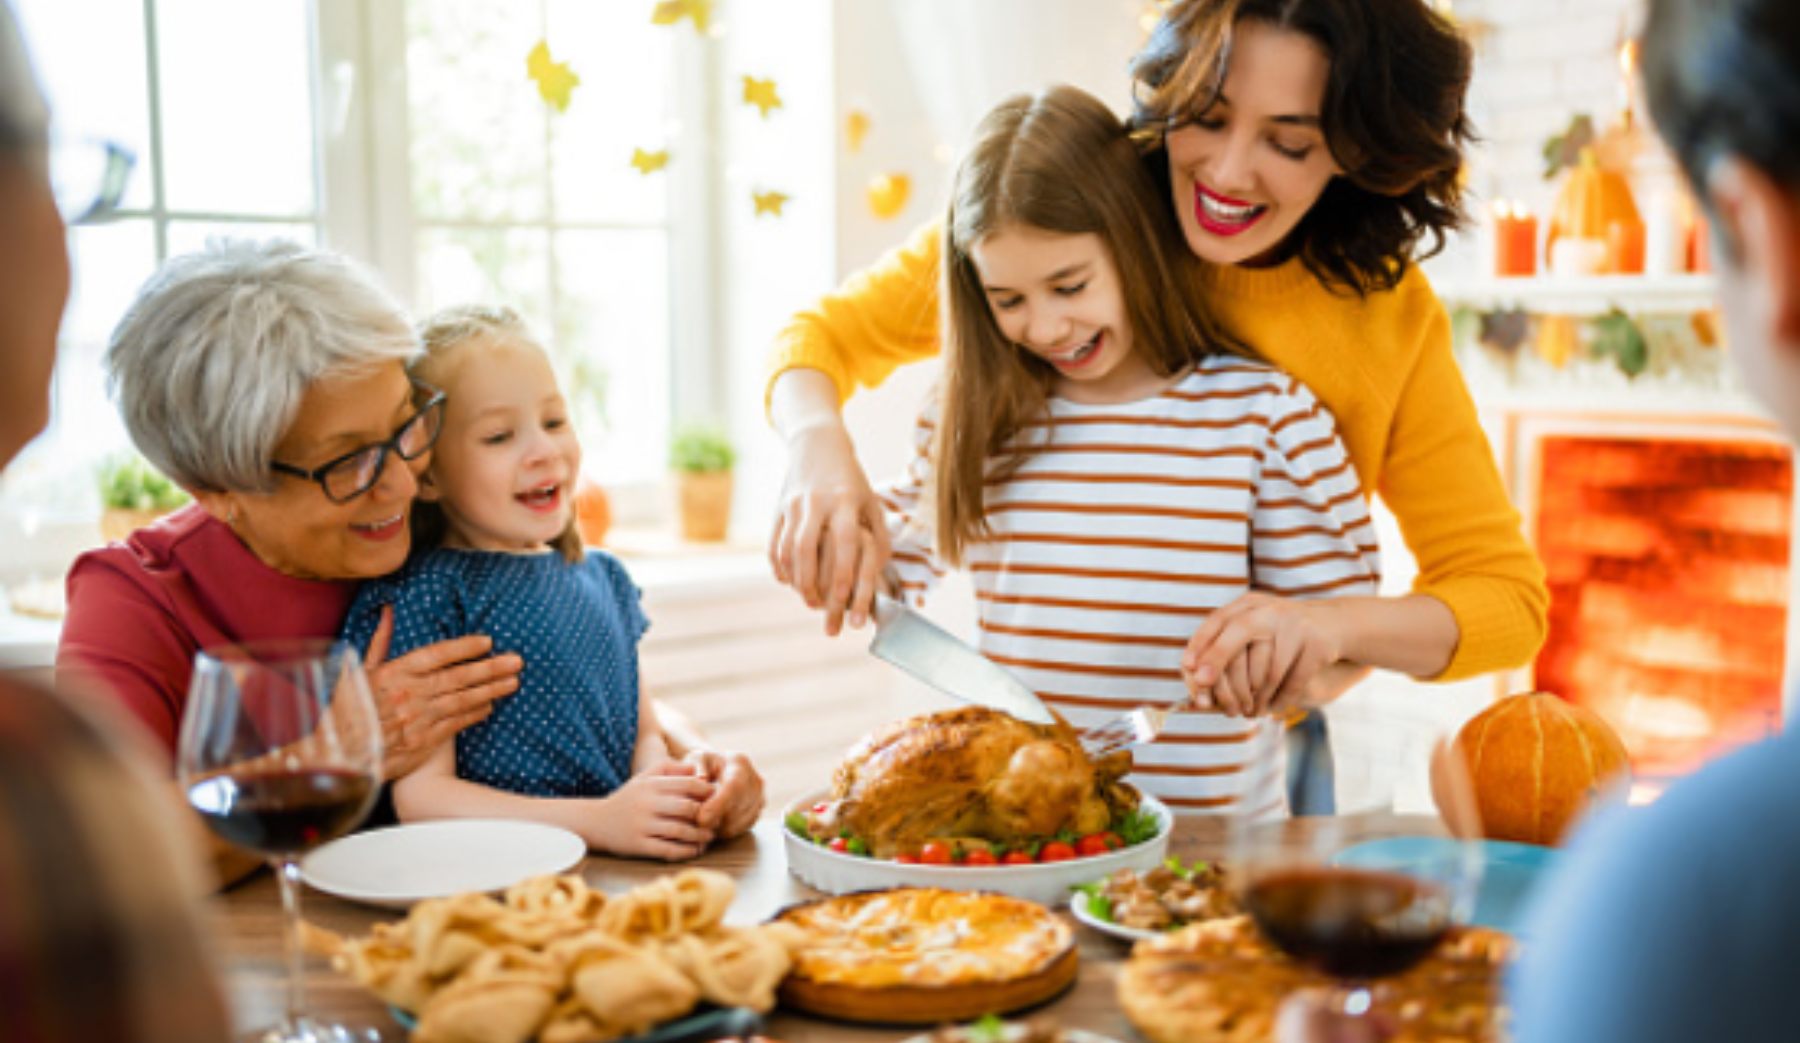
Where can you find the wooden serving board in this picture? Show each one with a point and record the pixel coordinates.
(929, 1004)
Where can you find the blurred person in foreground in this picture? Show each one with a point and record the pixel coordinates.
(1676, 922)
(98, 932)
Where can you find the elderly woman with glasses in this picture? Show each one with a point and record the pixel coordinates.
(268, 380)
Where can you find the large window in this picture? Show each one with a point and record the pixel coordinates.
(409, 135)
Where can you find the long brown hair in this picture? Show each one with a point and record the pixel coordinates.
(1393, 117)
(441, 334)
(1062, 162)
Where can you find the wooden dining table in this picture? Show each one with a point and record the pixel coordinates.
(249, 925)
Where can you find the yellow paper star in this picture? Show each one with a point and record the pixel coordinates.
(649, 162)
(761, 93)
(668, 12)
(555, 80)
(768, 202)
(856, 128)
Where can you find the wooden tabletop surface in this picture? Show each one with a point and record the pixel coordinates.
(249, 926)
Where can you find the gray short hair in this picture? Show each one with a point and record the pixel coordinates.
(211, 360)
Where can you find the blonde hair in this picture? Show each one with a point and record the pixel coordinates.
(442, 334)
(1059, 161)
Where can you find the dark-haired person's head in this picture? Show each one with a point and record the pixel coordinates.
(1331, 130)
(1723, 81)
(34, 262)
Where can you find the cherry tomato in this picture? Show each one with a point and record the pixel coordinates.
(820, 808)
(980, 856)
(1113, 840)
(935, 853)
(907, 860)
(1090, 845)
(1055, 851)
(840, 844)
(1017, 858)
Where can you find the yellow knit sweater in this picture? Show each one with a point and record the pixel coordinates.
(1381, 363)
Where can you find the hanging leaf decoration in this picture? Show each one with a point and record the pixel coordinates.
(1504, 329)
(1615, 334)
(1556, 339)
(768, 202)
(887, 195)
(761, 93)
(856, 128)
(668, 12)
(1705, 324)
(649, 162)
(1564, 150)
(555, 80)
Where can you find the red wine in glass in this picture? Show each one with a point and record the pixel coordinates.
(280, 752)
(1350, 923)
(279, 813)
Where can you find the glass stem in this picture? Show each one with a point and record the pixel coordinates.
(287, 873)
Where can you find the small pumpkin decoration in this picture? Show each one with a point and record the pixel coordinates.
(1535, 760)
(1593, 200)
(593, 512)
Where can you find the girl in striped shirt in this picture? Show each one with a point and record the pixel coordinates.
(1105, 463)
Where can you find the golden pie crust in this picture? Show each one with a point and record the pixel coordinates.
(1219, 981)
(921, 955)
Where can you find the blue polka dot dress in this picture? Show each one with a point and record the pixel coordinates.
(570, 729)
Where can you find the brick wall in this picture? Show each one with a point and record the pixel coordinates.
(1537, 63)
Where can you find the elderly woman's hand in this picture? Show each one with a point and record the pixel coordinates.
(429, 694)
(738, 799)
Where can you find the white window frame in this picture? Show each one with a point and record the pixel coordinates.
(359, 51)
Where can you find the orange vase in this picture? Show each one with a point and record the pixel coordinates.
(593, 512)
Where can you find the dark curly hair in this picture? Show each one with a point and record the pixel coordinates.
(1393, 117)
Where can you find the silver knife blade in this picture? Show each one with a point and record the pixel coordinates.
(937, 657)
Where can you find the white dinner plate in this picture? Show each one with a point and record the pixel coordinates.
(400, 865)
(1078, 905)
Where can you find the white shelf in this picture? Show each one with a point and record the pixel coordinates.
(1583, 295)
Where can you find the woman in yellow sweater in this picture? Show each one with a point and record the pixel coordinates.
(1310, 149)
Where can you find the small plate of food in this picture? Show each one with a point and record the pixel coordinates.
(1136, 905)
(992, 1029)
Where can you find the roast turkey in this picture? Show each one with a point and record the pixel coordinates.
(975, 773)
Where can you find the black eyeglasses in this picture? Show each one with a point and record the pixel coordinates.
(357, 471)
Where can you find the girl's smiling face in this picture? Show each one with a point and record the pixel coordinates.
(1057, 296)
(505, 466)
(1246, 170)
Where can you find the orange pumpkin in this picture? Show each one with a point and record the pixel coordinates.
(1535, 760)
(593, 512)
(1594, 199)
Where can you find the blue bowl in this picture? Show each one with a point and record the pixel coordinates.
(1510, 872)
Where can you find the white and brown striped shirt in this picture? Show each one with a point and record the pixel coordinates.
(1128, 525)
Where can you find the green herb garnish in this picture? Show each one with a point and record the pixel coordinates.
(1097, 902)
(1136, 826)
(796, 824)
(988, 1029)
(1187, 872)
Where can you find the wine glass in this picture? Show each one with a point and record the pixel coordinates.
(281, 752)
(1364, 893)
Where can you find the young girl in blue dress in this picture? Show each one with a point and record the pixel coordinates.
(580, 744)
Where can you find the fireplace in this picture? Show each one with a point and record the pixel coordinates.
(1667, 545)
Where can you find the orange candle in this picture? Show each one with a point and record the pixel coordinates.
(1515, 240)
(1625, 247)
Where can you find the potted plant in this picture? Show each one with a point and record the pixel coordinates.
(133, 494)
(701, 458)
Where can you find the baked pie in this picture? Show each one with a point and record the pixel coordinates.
(1219, 981)
(925, 955)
